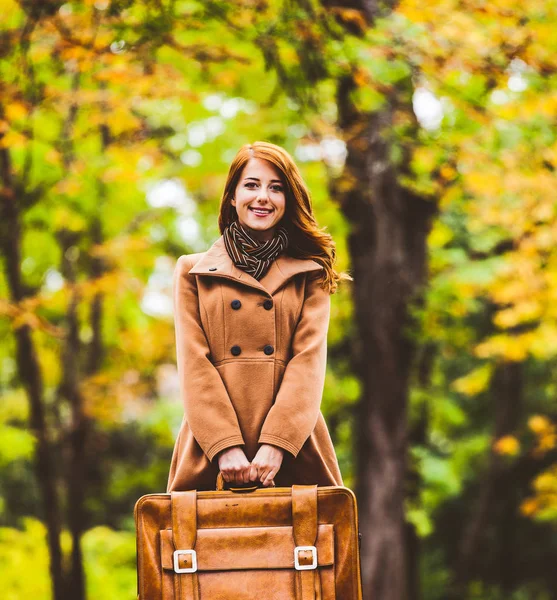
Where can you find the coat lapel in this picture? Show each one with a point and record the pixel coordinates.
(217, 263)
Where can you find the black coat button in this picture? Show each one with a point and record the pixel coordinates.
(235, 350)
(235, 304)
(212, 268)
(268, 349)
(268, 304)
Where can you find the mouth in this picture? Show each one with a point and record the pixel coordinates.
(261, 212)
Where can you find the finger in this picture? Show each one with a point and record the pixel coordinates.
(270, 477)
(237, 476)
(252, 473)
(263, 474)
(245, 475)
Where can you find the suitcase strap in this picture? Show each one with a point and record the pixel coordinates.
(304, 521)
(184, 532)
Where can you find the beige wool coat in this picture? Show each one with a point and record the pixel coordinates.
(251, 361)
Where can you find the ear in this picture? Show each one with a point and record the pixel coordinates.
(233, 201)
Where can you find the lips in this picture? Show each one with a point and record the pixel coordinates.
(261, 212)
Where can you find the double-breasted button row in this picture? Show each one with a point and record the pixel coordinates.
(236, 350)
(267, 305)
(268, 349)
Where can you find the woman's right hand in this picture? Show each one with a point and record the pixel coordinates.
(235, 467)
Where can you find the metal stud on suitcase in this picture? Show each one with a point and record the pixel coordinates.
(297, 543)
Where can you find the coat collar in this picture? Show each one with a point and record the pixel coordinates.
(217, 263)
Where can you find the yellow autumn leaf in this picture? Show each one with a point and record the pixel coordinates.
(483, 183)
(63, 218)
(539, 424)
(15, 111)
(546, 482)
(424, 159)
(447, 172)
(440, 235)
(529, 507)
(474, 382)
(525, 311)
(544, 342)
(122, 120)
(546, 443)
(508, 347)
(53, 157)
(507, 445)
(13, 139)
(68, 187)
(361, 77)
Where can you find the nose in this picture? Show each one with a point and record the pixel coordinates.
(262, 195)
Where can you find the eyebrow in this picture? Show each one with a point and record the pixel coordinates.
(257, 179)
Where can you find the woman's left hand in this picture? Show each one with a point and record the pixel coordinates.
(267, 461)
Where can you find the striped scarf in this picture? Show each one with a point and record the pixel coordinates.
(249, 254)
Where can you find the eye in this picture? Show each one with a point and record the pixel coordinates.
(277, 188)
(249, 184)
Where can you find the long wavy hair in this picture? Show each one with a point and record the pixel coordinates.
(306, 238)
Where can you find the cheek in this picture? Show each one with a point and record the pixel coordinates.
(242, 195)
(241, 202)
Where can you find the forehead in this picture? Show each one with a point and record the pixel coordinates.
(261, 169)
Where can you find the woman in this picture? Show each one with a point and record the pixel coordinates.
(251, 317)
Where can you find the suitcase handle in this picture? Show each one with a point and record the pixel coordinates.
(248, 487)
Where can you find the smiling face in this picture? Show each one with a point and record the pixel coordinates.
(259, 199)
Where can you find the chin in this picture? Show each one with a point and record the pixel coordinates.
(260, 226)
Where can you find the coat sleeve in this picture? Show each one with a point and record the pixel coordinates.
(208, 409)
(294, 413)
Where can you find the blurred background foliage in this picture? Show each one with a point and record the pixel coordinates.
(118, 119)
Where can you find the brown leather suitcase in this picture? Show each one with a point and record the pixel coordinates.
(297, 543)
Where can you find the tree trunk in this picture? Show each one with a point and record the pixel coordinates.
(389, 227)
(497, 484)
(69, 389)
(29, 371)
(417, 437)
(95, 353)
(387, 244)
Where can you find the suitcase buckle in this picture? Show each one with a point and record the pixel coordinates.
(312, 565)
(177, 554)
